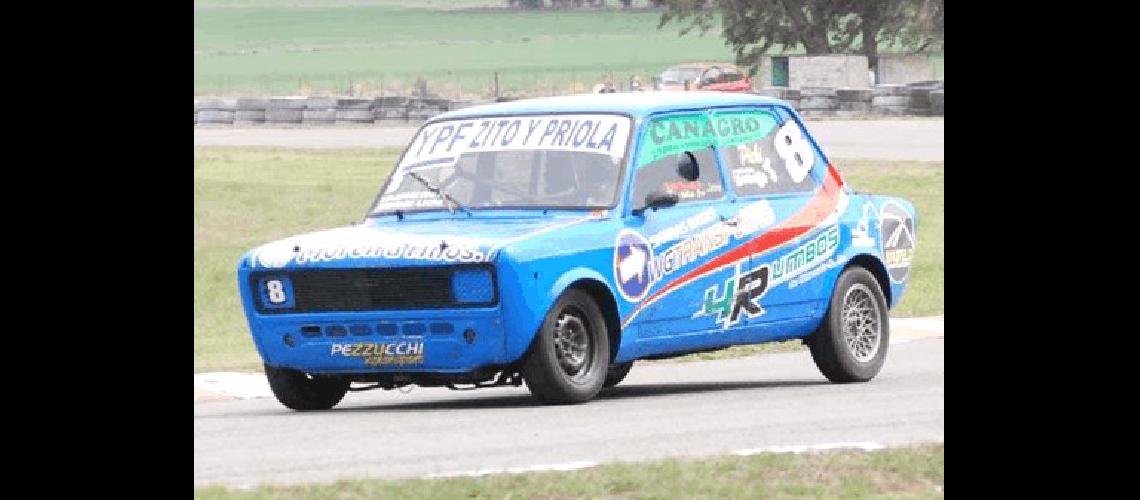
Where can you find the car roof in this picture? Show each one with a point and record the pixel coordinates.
(702, 64)
(636, 104)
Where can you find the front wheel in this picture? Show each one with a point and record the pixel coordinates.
(851, 344)
(569, 358)
(302, 392)
(617, 373)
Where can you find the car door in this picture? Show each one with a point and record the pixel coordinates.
(710, 79)
(769, 158)
(734, 81)
(676, 243)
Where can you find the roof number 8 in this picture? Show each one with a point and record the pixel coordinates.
(795, 151)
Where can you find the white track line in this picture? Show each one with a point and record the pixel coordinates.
(585, 464)
(234, 384)
(865, 446)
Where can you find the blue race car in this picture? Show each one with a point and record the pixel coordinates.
(556, 241)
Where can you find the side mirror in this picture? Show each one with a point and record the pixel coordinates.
(687, 167)
(657, 200)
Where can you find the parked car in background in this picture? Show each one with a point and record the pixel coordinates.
(714, 76)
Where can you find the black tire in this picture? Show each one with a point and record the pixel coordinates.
(829, 347)
(617, 373)
(298, 391)
(543, 367)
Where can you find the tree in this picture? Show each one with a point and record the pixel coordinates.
(753, 27)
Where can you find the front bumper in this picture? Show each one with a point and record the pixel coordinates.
(438, 340)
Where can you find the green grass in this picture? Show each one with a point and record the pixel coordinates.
(280, 48)
(244, 197)
(913, 472)
(259, 47)
(924, 184)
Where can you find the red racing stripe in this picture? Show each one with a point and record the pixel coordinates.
(821, 205)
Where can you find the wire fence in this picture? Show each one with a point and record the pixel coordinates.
(463, 84)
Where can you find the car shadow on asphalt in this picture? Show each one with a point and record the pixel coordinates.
(617, 393)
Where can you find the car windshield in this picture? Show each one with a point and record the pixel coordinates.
(680, 75)
(567, 161)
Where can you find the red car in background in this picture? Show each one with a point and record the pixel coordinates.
(717, 76)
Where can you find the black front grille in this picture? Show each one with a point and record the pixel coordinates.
(333, 290)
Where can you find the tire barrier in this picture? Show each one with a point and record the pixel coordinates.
(920, 104)
(250, 110)
(215, 111)
(285, 110)
(319, 111)
(817, 101)
(791, 96)
(391, 109)
(355, 110)
(854, 100)
(937, 104)
(890, 99)
(919, 99)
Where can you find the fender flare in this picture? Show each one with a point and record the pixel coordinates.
(519, 341)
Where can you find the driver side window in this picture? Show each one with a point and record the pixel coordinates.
(669, 143)
(712, 76)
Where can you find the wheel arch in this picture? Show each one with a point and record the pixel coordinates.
(878, 269)
(605, 300)
(589, 281)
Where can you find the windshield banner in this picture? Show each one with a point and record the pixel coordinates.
(443, 142)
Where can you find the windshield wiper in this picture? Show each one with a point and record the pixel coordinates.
(441, 193)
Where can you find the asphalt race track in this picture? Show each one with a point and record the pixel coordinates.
(663, 409)
(909, 139)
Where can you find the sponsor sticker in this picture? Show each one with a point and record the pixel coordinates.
(632, 255)
(674, 134)
(635, 259)
(741, 292)
(442, 143)
(740, 297)
(383, 353)
(861, 235)
(810, 254)
(898, 239)
(345, 247)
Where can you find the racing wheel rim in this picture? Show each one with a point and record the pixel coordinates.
(862, 322)
(572, 343)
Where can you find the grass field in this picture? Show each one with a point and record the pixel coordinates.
(914, 472)
(259, 47)
(282, 48)
(244, 197)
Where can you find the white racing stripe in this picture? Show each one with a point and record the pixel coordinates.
(865, 446)
(585, 464)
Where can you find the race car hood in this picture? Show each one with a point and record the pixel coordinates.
(403, 243)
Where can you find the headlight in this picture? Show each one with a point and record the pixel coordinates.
(473, 286)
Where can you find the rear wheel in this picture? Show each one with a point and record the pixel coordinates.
(851, 344)
(303, 392)
(569, 358)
